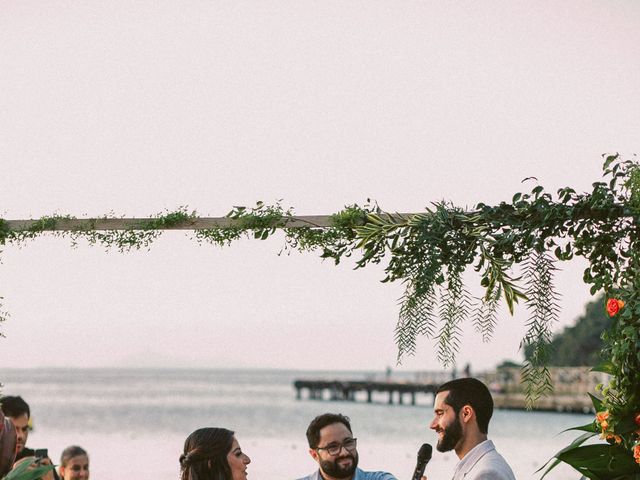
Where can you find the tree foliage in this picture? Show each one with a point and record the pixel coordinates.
(580, 344)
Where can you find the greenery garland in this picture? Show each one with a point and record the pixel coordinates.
(513, 247)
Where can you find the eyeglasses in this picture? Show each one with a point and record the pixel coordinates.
(334, 448)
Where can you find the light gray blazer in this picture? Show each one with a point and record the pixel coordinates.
(483, 462)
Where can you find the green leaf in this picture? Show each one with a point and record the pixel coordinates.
(22, 472)
(626, 425)
(575, 444)
(558, 253)
(597, 403)
(600, 461)
(605, 367)
(589, 427)
(609, 160)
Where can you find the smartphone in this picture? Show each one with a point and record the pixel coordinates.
(41, 453)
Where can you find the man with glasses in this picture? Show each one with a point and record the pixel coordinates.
(332, 445)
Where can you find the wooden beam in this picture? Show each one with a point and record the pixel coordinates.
(200, 223)
(197, 223)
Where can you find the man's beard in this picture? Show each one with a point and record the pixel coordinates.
(333, 469)
(451, 436)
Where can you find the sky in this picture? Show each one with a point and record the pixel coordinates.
(134, 108)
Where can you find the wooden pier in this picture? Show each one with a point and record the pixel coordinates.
(571, 385)
(346, 390)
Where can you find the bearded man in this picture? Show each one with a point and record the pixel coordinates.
(463, 408)
(332, 445)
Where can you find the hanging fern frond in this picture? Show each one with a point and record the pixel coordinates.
(486, 313)
(496, 282)
(544, 310)
(416, 319)
(455, 305)
(537, 382)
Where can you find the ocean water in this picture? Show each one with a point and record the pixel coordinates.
(133, 422)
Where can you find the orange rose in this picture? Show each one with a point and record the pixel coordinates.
(602, 417)
(613, 306)
(636, 453)
(611, 438)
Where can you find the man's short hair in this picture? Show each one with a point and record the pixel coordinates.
(470, 391)
(14, 406)
(321, 421)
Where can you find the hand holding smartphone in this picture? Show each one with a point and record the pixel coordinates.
(41, 453)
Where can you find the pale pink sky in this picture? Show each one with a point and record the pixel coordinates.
(136, 107)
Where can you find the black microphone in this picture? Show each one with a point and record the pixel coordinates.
(424, 455)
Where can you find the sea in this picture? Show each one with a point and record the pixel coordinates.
(133, 422)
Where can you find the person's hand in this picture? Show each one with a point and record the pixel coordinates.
(49, 474)
(35, 463)
(424, 477)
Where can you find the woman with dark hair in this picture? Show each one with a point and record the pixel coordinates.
(74, 463)
(213, 454)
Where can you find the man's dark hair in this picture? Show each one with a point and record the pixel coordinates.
(470, 391)
(321, 421)
(14, 406)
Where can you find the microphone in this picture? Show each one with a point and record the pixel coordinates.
(424, 455)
